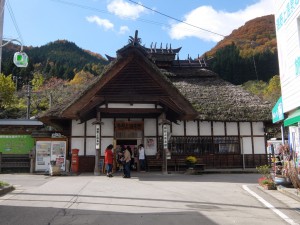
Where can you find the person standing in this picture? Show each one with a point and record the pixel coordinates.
(127, 159)
(142, 158)
(108, 157)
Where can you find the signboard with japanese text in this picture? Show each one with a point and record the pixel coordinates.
(277, 111)
(16, 144)
(287, 19)
(97, 136)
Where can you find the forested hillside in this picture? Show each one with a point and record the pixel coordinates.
(248, 53)
(61, 59)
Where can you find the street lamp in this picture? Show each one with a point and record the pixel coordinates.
(20, 58)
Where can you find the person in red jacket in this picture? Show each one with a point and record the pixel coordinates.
(108, 159)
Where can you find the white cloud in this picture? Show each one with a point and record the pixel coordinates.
(124, 9)
(220, 22)
(123, 30)
(106, 24)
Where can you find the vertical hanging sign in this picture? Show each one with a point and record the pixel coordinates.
(97, 136)
(165, 136)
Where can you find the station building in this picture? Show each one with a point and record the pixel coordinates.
(145, 89)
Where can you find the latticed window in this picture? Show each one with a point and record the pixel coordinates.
(205, 145)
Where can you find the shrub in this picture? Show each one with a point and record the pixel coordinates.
(191, 159)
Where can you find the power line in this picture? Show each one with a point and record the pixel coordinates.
(14, 20)
(102, 11)
(178, 20)
(106, 12)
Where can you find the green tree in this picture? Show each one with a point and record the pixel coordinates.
(37, 81)
(7, 91)
(273, 91)
(256, 87)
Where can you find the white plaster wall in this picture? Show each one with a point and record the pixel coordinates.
(191, 128)
(178, 130)
(90, 146)
(77, 129)
(232, 128)
(107, 129)
(104, 143)
(245, 128)
(259, 145)
(258, 128)
(246, 145)
(150, 127)
(79, 144)
(219, 129)
(205, 129)
(90, 128)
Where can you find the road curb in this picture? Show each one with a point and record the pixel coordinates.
(291, 192)
(6, 189)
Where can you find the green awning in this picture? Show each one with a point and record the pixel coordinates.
(293, 118)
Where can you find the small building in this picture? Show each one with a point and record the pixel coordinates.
(16, 143)
(143, 90)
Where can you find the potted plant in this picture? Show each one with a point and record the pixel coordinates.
(190, 162)
(266, 181)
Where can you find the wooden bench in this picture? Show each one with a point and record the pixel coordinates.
(153, 164)
(199, 166)
(176, 163)
(180, 163)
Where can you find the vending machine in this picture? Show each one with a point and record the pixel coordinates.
(50, 151)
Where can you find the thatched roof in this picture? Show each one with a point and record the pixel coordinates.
(216, 99)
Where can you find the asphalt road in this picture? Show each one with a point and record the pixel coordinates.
(144, 199)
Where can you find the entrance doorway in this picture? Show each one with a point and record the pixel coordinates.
(121, 144)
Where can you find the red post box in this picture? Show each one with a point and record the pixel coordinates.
(75, 160)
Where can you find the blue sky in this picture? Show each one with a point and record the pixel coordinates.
(104, 26)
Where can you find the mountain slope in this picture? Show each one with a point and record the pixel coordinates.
(60, 58)
(257, 35)
(248, 53)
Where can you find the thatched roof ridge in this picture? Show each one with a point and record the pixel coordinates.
(218, 100)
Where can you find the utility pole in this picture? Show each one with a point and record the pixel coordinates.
(28, 100)
(2, 3)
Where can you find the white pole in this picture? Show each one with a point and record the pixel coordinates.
(2, 3)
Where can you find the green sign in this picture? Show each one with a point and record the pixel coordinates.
(277, 111)
(16, 144)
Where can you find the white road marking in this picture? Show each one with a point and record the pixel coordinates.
(267, 204)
